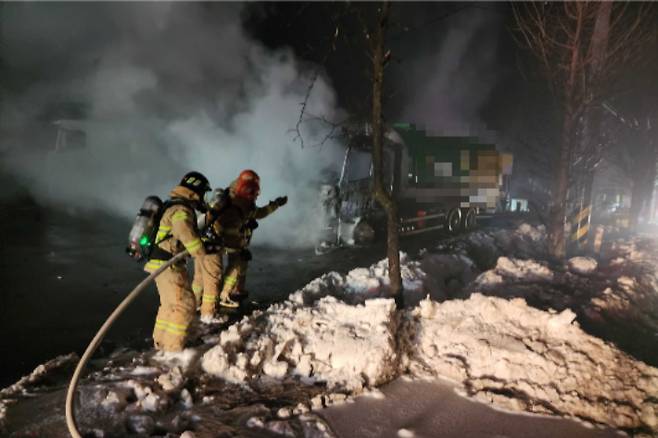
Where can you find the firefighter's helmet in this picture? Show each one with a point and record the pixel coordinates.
(196, 182)
(249, 175)
(247, 189)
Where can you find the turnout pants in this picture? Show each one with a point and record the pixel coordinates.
(176, 311)
(236, 275)
(207, 282)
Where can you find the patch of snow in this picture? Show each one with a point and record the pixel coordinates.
(523, 358)
(582, 265)
(37, 375)
(143, 370)
(342, 345)
(339, 337)
(141, 424)
(186, 399)
(172, 379)
(527, 270)
(256, 422)
(536, 234)
(406, 433)
(280, 427)
(183, 359)
(9, 394)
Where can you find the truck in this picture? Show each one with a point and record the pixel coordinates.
(438, 182)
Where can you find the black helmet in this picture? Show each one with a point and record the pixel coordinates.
(196, 182)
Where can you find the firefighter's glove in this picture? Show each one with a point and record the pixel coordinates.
(281, 201)
(246, 255)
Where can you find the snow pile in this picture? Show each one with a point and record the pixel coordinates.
(523, 269)
(504, 351)
(485, 246)
(446, 276)
(361, 284)
(22, 388)
(582, 265)
(345, 346)
(339, 336)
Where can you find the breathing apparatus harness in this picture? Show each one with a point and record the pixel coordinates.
(142, 243)
(214, 243)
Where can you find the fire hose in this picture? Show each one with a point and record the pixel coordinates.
(93, 345)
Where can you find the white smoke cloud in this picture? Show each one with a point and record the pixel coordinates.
(170, 88)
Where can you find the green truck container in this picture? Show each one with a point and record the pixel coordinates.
(439, 182)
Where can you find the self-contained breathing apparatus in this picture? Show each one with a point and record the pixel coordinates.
(142, 243)
(217, 202)
(142, 236)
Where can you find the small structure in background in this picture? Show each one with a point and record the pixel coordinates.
(70, 135)
(518, 205)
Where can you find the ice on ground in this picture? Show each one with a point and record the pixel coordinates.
(582, 265)
(522, 358)
(341, 345)
(431, 408)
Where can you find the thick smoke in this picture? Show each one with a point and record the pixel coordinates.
(165, 88)
(453, 71)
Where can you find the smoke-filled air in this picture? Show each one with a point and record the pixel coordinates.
(166, 88)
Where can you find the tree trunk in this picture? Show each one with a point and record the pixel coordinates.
(590, 150)
(556, 240)
(644, 177)
(381, 195)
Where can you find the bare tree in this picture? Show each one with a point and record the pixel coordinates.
(582, 47)
(380, 56)
(373, 27)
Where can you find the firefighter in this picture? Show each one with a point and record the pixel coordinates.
(232, 222)
(177, 231)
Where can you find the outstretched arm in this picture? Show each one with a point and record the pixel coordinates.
(271, 207)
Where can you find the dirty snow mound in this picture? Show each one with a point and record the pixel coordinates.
(582, 265)
(523, 269)
(361, 284)
(446, 276)
(342, 345)
(527, 359)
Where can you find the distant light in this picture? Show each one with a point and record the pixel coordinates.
(144, 240)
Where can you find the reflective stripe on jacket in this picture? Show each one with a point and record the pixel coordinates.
(179, 222)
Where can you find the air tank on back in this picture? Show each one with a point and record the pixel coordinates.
(141, 233)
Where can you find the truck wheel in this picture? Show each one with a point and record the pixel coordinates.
(469, 219)
(454, 220)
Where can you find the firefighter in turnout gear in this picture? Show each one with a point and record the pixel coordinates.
(178, 231)
(231, 223)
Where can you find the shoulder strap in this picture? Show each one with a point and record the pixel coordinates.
(166, 205)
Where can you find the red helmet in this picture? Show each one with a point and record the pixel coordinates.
(249, 175)
(247, 189)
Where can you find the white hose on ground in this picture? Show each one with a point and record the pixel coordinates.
(93, 345)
